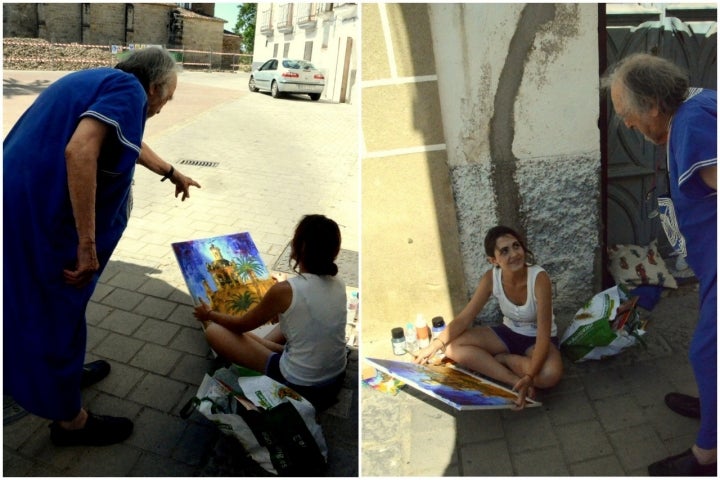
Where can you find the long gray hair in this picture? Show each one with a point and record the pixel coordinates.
(649, 81)
(152, 66)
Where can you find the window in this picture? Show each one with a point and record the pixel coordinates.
(308, 51)
(286, 49)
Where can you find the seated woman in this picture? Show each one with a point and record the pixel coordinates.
(306, 350)
(523, 351)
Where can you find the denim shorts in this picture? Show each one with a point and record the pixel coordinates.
(517, 344)
(321, 396)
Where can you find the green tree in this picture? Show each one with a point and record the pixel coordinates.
(245, 26)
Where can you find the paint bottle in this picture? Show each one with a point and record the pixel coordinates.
(354, 301)
(410, 339)
(398, 341)
(438, 325)
(422, 331)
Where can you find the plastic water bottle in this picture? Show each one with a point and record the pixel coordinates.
(353, 302)
(410, 339)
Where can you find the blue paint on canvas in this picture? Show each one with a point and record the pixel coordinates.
(450, 385)
(224, 264)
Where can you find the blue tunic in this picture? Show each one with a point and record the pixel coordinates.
(692, 145)
(44, 330)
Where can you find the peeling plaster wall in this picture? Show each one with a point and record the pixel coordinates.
(518, 86)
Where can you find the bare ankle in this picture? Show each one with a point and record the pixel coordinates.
(76, 423)
(703, 456)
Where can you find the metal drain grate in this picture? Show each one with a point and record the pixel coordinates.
(347, 262)
(198, 163)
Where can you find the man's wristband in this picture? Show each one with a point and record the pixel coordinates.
(168, 174)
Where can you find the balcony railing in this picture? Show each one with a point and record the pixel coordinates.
(285, 24)
(307, 15)
(265, 23)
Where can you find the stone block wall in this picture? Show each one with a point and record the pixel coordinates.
(106, 24)
(20, 20)
(202, 34)
(411, 260)
(59, 22)
(150, 24)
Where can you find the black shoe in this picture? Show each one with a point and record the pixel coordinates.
(93, 372)
(99, 430)
(683, 465)
(685, 405)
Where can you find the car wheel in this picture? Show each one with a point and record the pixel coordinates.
(251, 85)
(314, 96)
(274, 91)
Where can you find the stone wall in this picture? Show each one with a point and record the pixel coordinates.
(106, 24)
(20, 20)
(202, 34)
(59, 22)
(150, 24)
(110, 24)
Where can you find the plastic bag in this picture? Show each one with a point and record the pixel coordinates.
(603, 327)
(274, 424)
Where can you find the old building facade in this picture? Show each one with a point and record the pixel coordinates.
(122, 24)
(326, 34)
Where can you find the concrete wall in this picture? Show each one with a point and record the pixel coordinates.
(410, 250)
(474, 115)
(519, 100)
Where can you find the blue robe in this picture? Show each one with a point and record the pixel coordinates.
(692, 146)
(44, 329)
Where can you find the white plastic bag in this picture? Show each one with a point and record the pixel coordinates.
(274, 424)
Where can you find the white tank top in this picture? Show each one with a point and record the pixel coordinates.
(520, 319)
(314, 329)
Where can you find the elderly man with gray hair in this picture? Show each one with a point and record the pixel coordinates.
(653, 95)
(68, 166)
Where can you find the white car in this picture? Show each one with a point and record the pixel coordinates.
(283, 75)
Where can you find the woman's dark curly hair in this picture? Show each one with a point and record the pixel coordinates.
(316, 244)
(500, 231)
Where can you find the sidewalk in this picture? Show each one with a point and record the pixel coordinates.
(605, 418)
(266, 153)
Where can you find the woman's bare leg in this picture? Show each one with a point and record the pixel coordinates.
(476, 349)
(549, 374)
(243, 349)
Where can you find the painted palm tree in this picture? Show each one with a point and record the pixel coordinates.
(240, 303)
(249, 268)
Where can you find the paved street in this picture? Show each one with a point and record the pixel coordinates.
(262, 163)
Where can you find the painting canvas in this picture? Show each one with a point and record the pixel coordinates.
(448, 383)
(226, 272)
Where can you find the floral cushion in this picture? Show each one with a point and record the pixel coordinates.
(633, 266)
